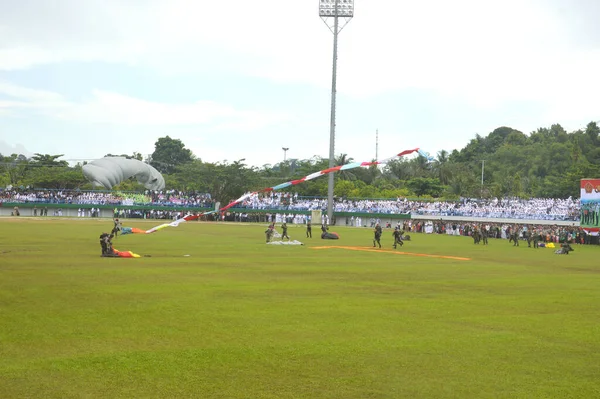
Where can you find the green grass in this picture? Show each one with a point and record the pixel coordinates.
(241, 319)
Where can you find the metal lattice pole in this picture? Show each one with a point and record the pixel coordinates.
(335, 9)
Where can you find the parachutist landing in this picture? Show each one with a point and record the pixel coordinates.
(564, 249)
(109, 252)
(106, 244)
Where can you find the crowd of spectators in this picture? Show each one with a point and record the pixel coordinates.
(169, 198)
(511, 208)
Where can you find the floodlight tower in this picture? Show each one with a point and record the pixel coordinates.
(285, 149)
(334, 10)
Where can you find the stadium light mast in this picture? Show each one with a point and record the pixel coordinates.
(285, 149)
(334, 10)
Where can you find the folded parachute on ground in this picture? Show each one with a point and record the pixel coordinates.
(131, 230)
(121, 254)
(126, 254)
(330, 236)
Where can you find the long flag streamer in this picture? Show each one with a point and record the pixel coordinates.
(286, 185)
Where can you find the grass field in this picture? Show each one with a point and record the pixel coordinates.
(241, 319)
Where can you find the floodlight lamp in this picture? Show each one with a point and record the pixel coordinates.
(345, 8)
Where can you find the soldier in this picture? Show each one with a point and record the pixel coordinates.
(308, 230)
(377, 238)
(529, 237)
(535, 237)
(565, 248)
(398, 236)
(284, 233)
(269, 232)
(515, 236)
(484, 235)
(116, 228)
(476, 235)
(106, 244)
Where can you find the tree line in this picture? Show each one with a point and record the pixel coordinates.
(548, 163)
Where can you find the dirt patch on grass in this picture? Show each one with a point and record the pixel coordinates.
(366, 249)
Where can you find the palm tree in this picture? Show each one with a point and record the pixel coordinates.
(419, 167)
(344, 159)
(441, 167)
(397, 169)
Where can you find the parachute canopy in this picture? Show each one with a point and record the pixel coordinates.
(110, 171)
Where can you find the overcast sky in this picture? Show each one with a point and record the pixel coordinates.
(242, 79)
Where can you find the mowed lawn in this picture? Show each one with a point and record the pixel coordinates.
(216, 313)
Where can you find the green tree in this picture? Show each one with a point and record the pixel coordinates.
(464, 182)
(592, 131)
(169, 154)
(136, 155)
(419, 167)
(344, 188)
(516, 138)
(441, 167)
(517, 186)
(398, 169)
(369, 175)
(225, 181)
(425, 186)
(56, 177)
(15, 167)
(341, 160)
(48, 160)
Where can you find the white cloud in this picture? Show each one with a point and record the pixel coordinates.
(486, 55)
(484, 52)
(114, 108)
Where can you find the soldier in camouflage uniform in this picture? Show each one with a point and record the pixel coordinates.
(284, 233)
(269, 233)
(565, 248)
(377, 239)
(484, 235)
(529, 237)
(515, 236)
(476, 235)
(398, 236)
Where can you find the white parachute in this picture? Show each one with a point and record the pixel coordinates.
(110, 171)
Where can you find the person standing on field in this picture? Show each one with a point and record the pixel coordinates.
(397, 237)
(284, 233)
(377, 239)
